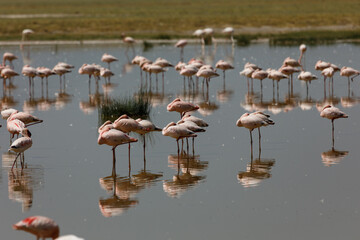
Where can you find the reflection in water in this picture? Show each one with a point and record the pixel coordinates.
(333, 157)
(23, 182)
(123, 191)
(190, 165)
(256, 171)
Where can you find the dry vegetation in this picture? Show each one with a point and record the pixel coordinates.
(107, 19)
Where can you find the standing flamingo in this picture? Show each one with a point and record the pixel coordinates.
(26, 33)
(254, 120)
(108, 59)
(223, 65)
(178, 132)
(147, 127)
(21, 144)
(113, 137)
(229, 31)
(40, 226)
(302, 49)
(26, 118)
(181, 44)
(332, 113)
(181, 107)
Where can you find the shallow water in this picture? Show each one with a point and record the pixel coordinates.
(297, 188)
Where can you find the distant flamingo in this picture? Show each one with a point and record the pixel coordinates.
(8, 73)
(129, 41)
(181, 107)
(181, 44)
(200, 34)
(247, 72)
(178, 132)
(113, 137)
(259, 74)
(106, 74)
(229, 31)
(302, 49)
(21, 144)
(207, 73)
(108, 59)
(223, 65)
(41, 227)
(26, 33)
(332, 113)
(30, 72)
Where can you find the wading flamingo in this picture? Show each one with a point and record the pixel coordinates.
(20, 145)
(178, 132)
(332, 113)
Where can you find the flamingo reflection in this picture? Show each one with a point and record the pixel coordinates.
(122, 190)
(256, 171)
(333, 156)
(186, 179)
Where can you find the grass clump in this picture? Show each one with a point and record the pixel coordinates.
(133, 107)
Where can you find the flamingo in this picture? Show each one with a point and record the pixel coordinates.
(108, 59)
(254, 120)
(5, 113)
(178, 132)
(26, 118)
(206, 73)
(30, 72)
(106, 73)
(223, 65)
(200, 122)
(200, 34)
(14, 126)
(9, 57)
(40, 226)
(229, 31)
(26, 33)
(8, 73)
(192, 127)
(129, 41)
(248, 71)
(110, 136)
(332, 113)
(147, 127)
(181, 44)
(209, 32)
(348, 72)
(126, 124)
(20, 145)
(181, 107)
(302, 49)
(259, 74)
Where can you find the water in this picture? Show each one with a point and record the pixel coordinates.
(298, 188)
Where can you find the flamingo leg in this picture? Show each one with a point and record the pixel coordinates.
(129, 158)
(114, 162)
(333, 140)
(15, 160)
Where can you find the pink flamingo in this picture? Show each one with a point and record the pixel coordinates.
(181, 107)
(113, 137)
(108, 59)
(14, 126)
(178, 132)
(332, 113)
(254, 120)
(20, 145)
(223, 65)
(9, 57)
(26, 118)
(40, 226)
(147, 127)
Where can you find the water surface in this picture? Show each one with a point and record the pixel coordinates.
(297, 187)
